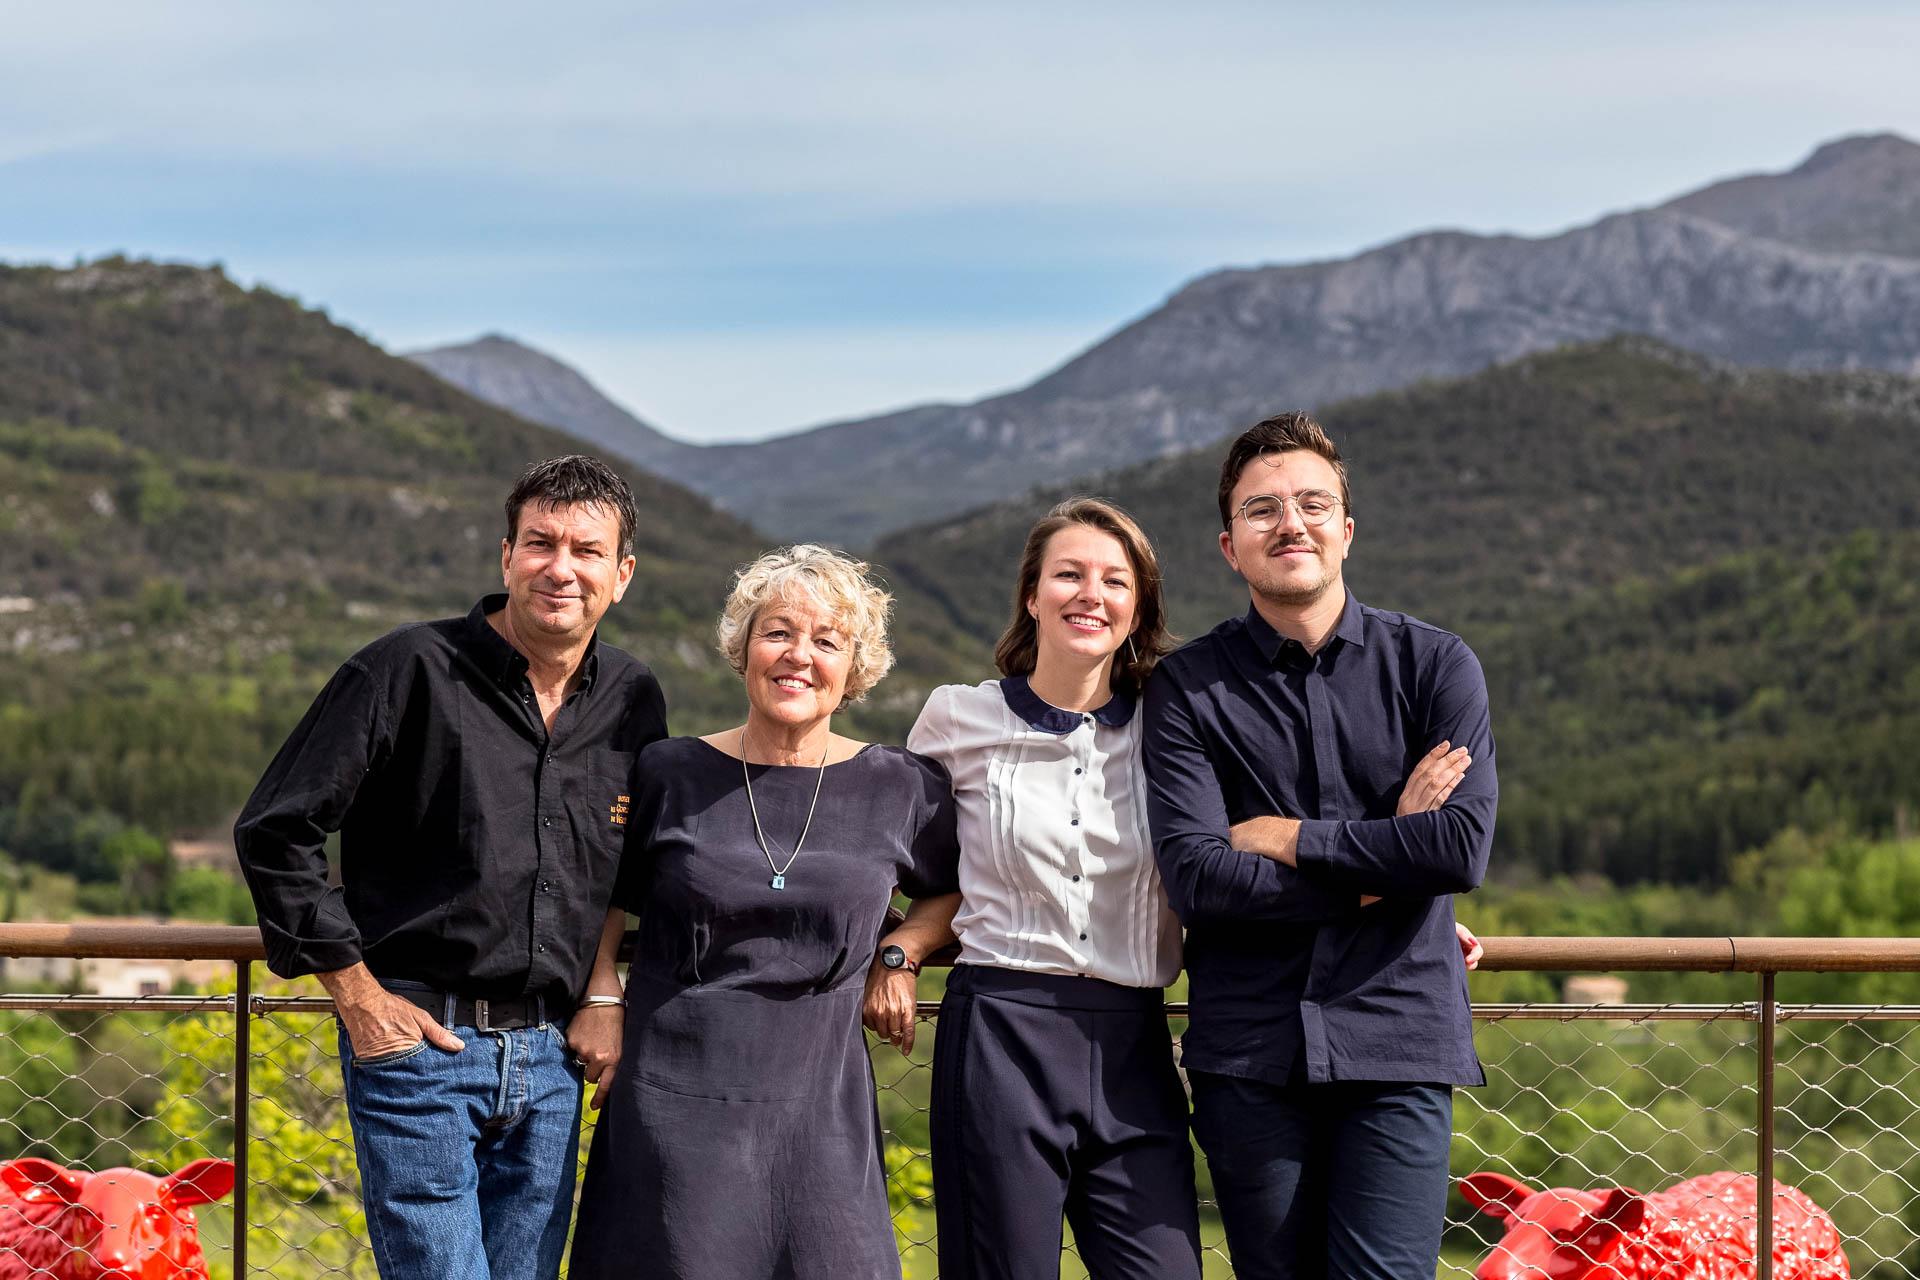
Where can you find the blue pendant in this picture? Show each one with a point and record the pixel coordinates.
(779, 882)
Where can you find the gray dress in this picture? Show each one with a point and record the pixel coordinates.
(740, 1138)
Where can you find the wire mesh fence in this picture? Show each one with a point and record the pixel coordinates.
(95, 1085)
(1587, 1098)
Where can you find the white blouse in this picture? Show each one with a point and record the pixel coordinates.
(1056, 864)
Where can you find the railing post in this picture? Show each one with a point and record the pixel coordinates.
(242, 1095)
(1763, 1240)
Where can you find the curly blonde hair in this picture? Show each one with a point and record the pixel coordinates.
(836, 585)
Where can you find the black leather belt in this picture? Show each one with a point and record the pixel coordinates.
(484, 1015)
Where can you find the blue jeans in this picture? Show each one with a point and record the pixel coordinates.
(1341, 1181)
(467, 1159)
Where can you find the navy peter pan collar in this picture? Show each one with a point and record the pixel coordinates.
(1047, 718)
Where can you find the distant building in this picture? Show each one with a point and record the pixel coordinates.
(129, 978)
(38, 971)
(1594, 988)
(214, 851)
(104, 976)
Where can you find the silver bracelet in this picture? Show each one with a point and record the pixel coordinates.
(602, 1002)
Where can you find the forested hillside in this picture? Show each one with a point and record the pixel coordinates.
(210, 496)
(1655, 729)
(1691, 588)
(1487, 498)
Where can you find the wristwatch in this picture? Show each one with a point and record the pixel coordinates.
(892, 957)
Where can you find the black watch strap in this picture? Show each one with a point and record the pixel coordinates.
(892, 957)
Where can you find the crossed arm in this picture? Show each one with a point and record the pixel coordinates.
(1316, 870)
(1429, 785)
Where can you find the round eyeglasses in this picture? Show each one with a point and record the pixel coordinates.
(1263, 512)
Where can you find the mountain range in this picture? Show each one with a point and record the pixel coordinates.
(1483, 501)
(1690, 580)
(1815, 268)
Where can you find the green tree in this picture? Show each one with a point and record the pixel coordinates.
(203, 893)
(304, 1203)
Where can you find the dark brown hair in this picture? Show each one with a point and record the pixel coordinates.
(1279, 434)
(574, 479)
(1019, 646)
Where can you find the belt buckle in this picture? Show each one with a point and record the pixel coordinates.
(480, 1017)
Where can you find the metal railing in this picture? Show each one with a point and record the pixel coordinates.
(1643, 1094)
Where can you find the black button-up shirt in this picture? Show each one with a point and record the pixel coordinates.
(478, 851)
(1288, 973)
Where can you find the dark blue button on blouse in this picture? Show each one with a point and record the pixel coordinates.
(1288, 972)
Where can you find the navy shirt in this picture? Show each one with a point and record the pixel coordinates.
(478, 851)
(1288, 973)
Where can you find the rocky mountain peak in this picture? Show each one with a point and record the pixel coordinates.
(1814, 268)
(1859, 194)
(1863, 148)
(507, 372)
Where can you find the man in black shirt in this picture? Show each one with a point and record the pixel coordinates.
(477, 770)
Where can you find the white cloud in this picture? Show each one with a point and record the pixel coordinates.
(1527, 114)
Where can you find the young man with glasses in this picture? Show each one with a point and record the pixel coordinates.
(1320, 783)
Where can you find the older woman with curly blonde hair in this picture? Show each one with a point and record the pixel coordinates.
(739, 1137)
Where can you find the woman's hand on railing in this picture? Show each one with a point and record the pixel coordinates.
(1470, 948)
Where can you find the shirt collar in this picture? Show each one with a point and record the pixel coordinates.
(1047, 718)
(507, 664)
(1351, 628)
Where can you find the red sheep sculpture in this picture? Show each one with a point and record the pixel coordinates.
(67, 1224)
(1702, 1229)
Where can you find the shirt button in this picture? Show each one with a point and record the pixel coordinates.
(1078, 772)
(1076, 880)
(546, 886)
(1083, 937)
(546, 822)
(543, 946)
(1076, 822)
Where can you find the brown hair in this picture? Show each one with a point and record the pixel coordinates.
(1019, 646)
(575, 479)
(1281, 433)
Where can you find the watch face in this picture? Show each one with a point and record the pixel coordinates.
(893, 957)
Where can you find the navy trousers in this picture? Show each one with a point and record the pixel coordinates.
(1339, 1181)
(1056, 1095)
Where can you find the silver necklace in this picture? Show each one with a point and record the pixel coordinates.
(779, 880)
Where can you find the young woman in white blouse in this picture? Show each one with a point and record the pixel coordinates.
(1054, 1087)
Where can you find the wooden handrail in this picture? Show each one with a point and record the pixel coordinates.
(165, 941)
(80, 939)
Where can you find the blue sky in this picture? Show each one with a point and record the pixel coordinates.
(745, 218)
